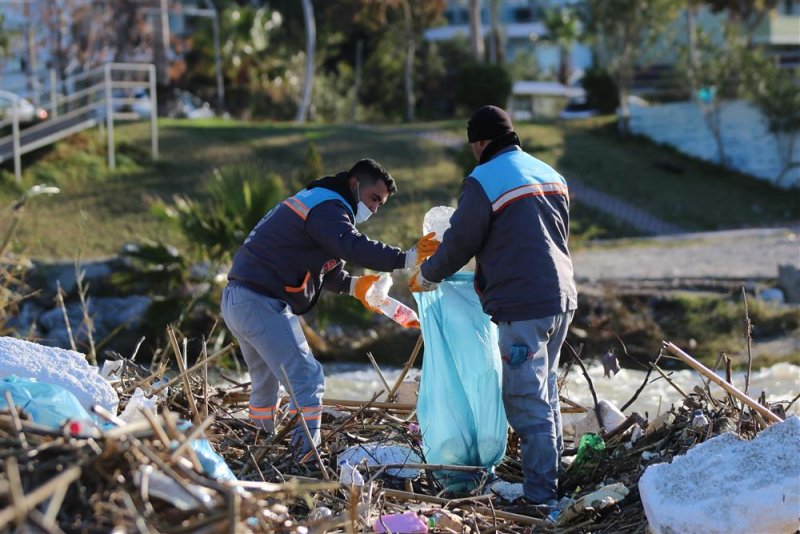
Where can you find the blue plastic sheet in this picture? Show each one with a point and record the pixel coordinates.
(460, 406)
(212, 463)
(46, 404)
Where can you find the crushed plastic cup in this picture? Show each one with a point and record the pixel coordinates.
(349, 474)
(320, 512)
(137, 403)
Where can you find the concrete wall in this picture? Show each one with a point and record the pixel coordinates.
(749, 146)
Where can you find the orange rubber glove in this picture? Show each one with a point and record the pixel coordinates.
(427, 247)
(361, 286)
(417, 283)
(424, 249)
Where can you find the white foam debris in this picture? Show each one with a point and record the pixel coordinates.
(728, 485)
(52, 365)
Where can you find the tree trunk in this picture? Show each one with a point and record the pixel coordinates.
(475, 30)
(691, 28)
(308, 82)
(624, 80)
(357, 80)
(563, 64)
(787, 156)
(409, 70)
(161, 46)
(496, 50)
(713, 117)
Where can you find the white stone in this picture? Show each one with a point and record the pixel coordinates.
(728, 485)
(65, 368)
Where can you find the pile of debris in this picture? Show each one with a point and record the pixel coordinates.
(182, 456)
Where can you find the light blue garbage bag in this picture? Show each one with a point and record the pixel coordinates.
(460, 405)
(46, 404)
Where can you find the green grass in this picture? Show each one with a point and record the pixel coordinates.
(693, 194)
(99, 210)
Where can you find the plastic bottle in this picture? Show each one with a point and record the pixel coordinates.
(399, 312)
(349, 474)
(699, 419)
(590, 448)
(378, 296)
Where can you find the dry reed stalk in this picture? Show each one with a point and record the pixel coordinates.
(302, 421)
(406, 368)
(87, 319)
(705, 371)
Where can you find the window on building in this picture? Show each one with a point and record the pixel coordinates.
(522, 14)
(457, 15)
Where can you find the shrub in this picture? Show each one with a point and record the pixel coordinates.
(238, 197)
(601, 91)
(480, 84)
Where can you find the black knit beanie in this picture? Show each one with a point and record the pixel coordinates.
(489, 122)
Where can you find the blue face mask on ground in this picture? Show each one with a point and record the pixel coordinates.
(363, 212)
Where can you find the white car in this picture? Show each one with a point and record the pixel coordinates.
(184, 105)
(27, 113)
(577, 108)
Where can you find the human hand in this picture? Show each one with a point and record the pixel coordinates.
(417, 283)
(424, 249)
(361, 285)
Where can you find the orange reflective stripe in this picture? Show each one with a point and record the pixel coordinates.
(264, 409)
(253, 416)
(298, 207)
(295, 210)
(290, 289)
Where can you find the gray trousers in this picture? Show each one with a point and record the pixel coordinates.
(270, 337)
(530, 397)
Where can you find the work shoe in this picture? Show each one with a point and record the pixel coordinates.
(525, 506)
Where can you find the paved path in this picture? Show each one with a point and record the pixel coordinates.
(584, 194)
(741, 254)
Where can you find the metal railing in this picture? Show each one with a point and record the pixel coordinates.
(95, 98)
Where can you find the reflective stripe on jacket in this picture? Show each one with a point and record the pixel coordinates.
(513, 216)
(301, 245)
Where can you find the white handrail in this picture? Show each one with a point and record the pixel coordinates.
(97, 95)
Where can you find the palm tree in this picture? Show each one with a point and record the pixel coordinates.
(409, 68)
(475, 30)
(563, 29)
(308, 82)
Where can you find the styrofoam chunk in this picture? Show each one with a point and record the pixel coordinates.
(52, 365)
(728, 485)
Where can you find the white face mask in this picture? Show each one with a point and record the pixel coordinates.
(363, 212)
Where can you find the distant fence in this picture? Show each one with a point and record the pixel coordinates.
(749, 146)
(96, 97)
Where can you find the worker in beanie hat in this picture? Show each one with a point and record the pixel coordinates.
(490, 123)
(513, 217)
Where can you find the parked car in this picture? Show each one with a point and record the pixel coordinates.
(189, 106)
(577, 108)
(180, 105)
(26, 112)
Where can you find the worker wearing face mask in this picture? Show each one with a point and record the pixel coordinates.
(297, 249)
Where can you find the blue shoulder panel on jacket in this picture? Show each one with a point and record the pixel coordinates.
(304, 201)
(515, 174)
